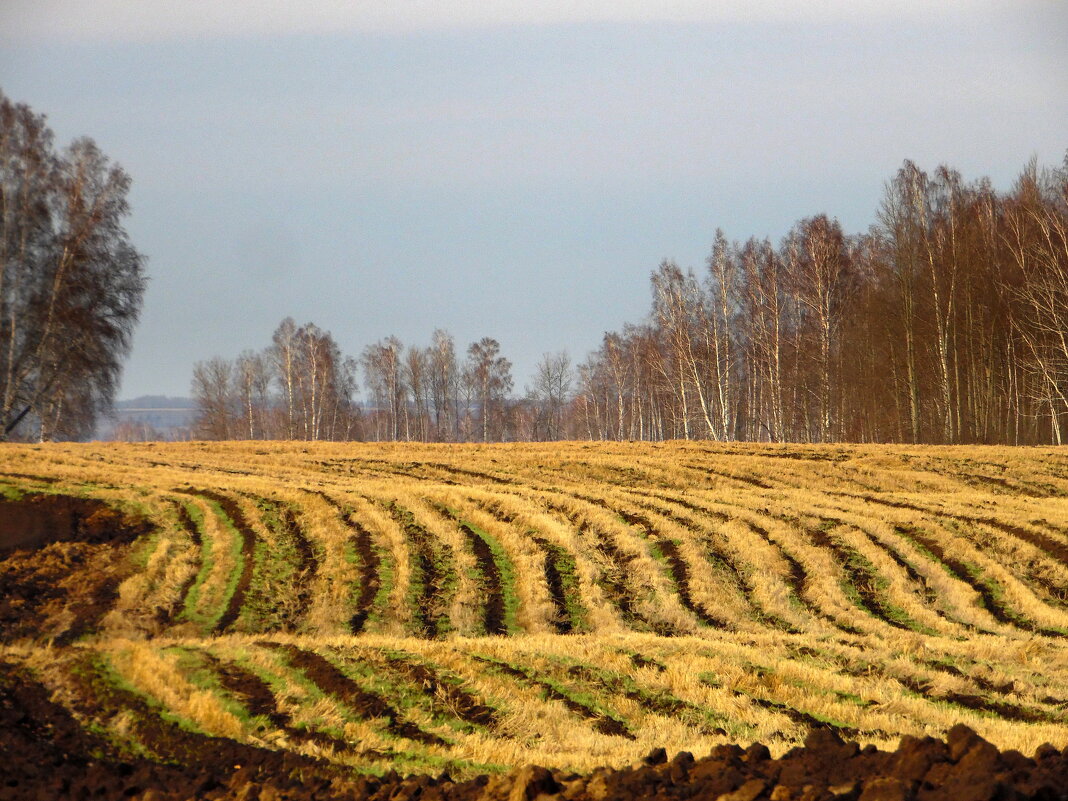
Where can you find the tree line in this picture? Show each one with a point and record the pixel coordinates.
(945, 322)
(301, 386)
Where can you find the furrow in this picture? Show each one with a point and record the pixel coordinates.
(602, 722)
(430, 592)
(617, 566)
(331, 681)
(988, 598)
(236, 518)
(362, 543)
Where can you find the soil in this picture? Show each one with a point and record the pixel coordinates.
(248, 550)
(48, 754)
(259, 700)
(61, 561)
(612, 579)
(363, 543)
(601, 722)
(561, 620)
(680, 571)
(430, 611)
(458, 701)
(490, 581)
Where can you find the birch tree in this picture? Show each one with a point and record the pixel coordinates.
(71, 282)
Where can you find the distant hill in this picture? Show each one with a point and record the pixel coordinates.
(149, 417)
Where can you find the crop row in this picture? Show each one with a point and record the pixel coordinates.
(432, 560)
(382, 703)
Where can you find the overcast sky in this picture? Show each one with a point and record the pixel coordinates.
(506, 169)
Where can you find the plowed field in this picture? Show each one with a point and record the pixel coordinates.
(469, 609)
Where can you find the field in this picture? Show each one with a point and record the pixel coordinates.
(471, 608)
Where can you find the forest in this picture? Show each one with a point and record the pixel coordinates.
(946, 322)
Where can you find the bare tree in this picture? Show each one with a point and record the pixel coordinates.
(252, 381)
(552, 387)
(283, 358)
(821, 273)
(444, 384)
(213, 394)
(385, 380)
(417, 376)
(490, 375)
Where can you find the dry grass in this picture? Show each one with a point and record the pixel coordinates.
(878, 590)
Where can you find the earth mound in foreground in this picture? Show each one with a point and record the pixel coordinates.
(47, 754)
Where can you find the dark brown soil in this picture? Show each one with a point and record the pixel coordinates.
(430, 610)
(680, 571)
(307, 564)
(489, 582)
(612, 580)
(48, 754)
(601, 722)
(862, 581)
(554, 554)
(34, 521)
(796, 581)
(562, 619)
(363, 542)
(258, 699)
(61, 562)
(185, 520)
(369, 583)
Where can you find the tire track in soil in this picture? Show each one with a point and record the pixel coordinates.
(470, 473)
(30, 477)
(871, 602)
(988, 600)
(553, 557)
(258, 698)
(680, 571)
(189, 526)
(96, 698)
(978, 703)
(303, 577)
(1054, 549)
(457, 701)
(427, 611)
(370, 564)
(717, 555)
(662, 703)
(493, 621)
(796, 581)
(753, 482)
(248, 546)
(601, 722)
(248, 549)
(612, 580)
(561, 620)
(797, 716)
(332, 682)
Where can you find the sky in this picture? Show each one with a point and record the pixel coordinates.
(506, 169)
